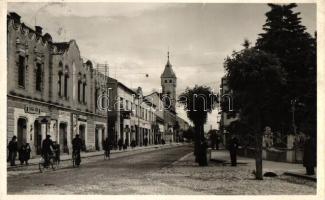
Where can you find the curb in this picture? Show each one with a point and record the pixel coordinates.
(302, 176)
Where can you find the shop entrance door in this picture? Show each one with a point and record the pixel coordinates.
(21, 132)
(37, 137)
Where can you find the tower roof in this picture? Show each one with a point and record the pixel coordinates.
(168, 71)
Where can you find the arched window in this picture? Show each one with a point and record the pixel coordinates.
(60, 74)
(170, 81)
(60, 84)
(79, 91)
(165, 81)
(96, 97)
(84, 92)
(66, 79)
(38, 77)
(21, 71)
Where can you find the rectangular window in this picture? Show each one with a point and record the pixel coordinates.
(21, 71)
(127, 104)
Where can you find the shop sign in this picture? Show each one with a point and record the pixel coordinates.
(32, 110)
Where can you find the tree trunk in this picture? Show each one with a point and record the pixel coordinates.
(258, 148)
(196, 143)
(202, 152)
(258, 156)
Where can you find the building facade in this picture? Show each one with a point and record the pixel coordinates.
(48, 90)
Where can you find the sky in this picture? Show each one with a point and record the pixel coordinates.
(133, 38)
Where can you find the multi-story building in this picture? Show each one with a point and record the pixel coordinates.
(131, 118)
(47, 87)
(154, 99)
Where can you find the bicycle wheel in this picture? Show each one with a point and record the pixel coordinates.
(53, 164)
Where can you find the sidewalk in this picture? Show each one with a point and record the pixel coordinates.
(279, 168)
(65, 157)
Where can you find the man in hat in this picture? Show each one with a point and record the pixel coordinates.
(47, 146)
(12, 147)
(233, 146)
(77, 145)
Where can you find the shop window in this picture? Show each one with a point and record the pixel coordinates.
(21, 71)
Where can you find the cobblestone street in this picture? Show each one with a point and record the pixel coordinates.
(167, 171)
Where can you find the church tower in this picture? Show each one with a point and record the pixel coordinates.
(168, 84)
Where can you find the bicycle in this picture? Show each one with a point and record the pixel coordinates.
(76, 158)
(52, 163)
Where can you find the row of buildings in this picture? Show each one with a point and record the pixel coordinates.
(52, 90)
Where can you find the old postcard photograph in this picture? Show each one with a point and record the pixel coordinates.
(162, 98)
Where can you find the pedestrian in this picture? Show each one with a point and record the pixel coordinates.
(57, 152)
(120, 144)
(309, 159)
(107, 147)
(47, 146)
(12, 147)
(125, 145)
(163, 141)
(133, 144)
(145, 141)
(77, 145)
(217, 142)
(24, 153)
(233, 146)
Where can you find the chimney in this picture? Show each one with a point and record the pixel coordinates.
(15, 17)
(38, 30)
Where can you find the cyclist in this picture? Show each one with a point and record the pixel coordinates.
(107, 147)
(47, 146)
(76, 147)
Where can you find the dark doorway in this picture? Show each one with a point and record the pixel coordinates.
(63, 138)
(21, 132)
(37, 137)
(82, 132)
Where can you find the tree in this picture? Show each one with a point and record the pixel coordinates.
(286, 38)
(254, 76)
(198, 102)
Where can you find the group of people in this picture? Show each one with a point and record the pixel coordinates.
(49, 149)
(309, 153)
(24, 152)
